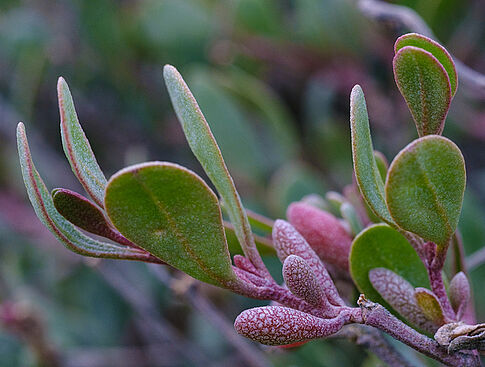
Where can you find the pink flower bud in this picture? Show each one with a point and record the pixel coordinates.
(302, 282)
(275, 325)
(459, 294)
(327, 237)
(287, 241)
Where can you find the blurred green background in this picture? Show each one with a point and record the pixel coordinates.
(273, 79)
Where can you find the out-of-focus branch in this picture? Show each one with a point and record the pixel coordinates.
(476, 259)
(374, 341)
(408, 18)
(251, 355)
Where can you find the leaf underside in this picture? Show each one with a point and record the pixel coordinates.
(77, 148)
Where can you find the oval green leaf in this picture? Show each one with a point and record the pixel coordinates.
(425, 85)
(171, 212)
(366, 170)
(77, 148)
(433, 47)
(380, 246)
(425, 186)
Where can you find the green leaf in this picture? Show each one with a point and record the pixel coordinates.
(172, 213)
(77, 148)
(349, 213)
(365, 167)
(204, 147)
(438, 51)
(264, 245)
(425, 86)
(425, 186)
(64, 231)
(380, 246)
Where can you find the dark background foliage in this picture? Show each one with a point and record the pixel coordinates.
(273, 78)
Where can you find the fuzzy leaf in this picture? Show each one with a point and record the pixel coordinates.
(275, 325)
(64, 231)
(380, 246)
(77, 148)
(327, 237)
(429, 305)
(205, 148)
(171, 212)
(438, 51)
(399, 293)
(365, 167)
(425, 86)
(302, 281)
(459, 293)
(425, 186)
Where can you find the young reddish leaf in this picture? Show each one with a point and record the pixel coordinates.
(425, 187)
(429, 305)
(399, 293)
(171, 212)
(64, 231)
(287, 241)
(275, 325)
(84, 214)
(302, 281)
(425, 86)
(459, 294)
(205, 148)
(327, 237)
(380, 246)
(77, 148)
(438, 51)
(365, 167)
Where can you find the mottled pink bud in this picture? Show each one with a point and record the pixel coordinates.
(302, 281)
(287, 241)
(399, 293)
(274, 325)
(323, 232)
(459, 294)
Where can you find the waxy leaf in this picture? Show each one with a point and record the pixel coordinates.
(171, 212)
(205, 148)
(380, 246)
(64, 231)
(425, 85)
(425, 186)
(77, 149)
(433, 47)
(275, 325)
(84, 214)
(399, 293)
(366, 170)
(302, 282)
(429, 305)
